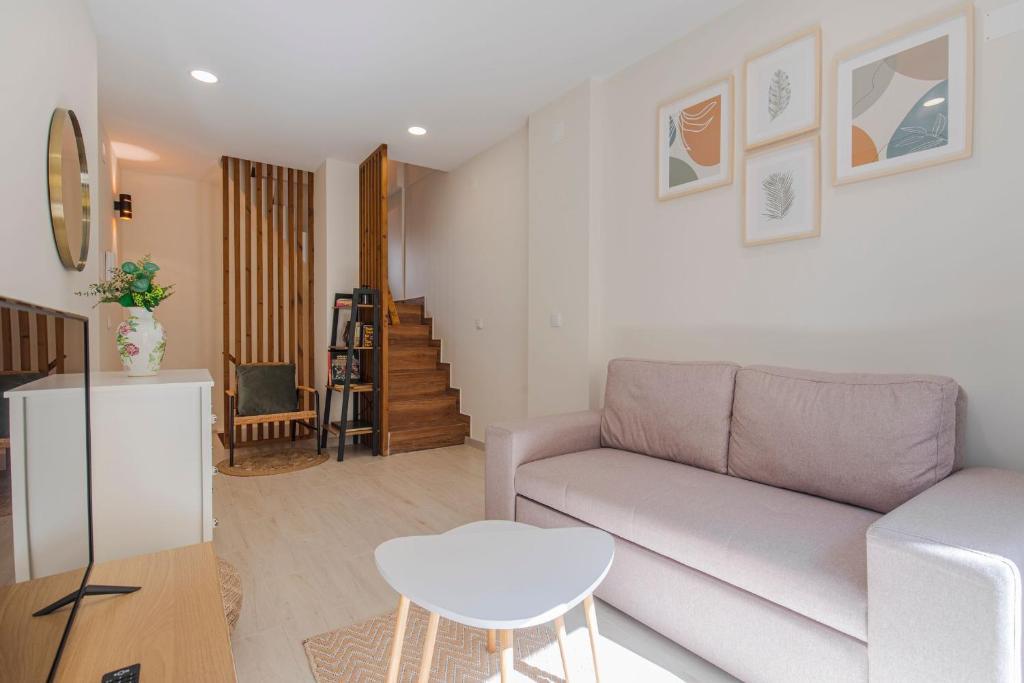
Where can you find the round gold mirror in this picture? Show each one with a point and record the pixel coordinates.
(68, 179)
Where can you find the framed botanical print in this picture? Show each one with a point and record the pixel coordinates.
(695, 133)
(782, 90)
(782, 192)
(906, 100)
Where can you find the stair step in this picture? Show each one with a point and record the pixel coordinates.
(451, 433)
(417, 383)
(423, 412)
(414, 357)
(409, 333)
(409, 311)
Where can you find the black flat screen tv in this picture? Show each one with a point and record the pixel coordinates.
(42, 347)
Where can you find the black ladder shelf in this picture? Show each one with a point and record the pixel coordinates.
(363, 303)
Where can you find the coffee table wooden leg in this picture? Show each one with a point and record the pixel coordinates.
(401, 619)
(591, 614)
(428, 648)
(492, 638)
(506, 655)
(560, 634)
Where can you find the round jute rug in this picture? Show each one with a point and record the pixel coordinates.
(259, 462)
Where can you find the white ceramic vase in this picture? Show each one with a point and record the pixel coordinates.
(140, 343)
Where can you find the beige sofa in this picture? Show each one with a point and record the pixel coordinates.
(785, 525)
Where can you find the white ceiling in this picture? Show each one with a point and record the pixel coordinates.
(303, 80)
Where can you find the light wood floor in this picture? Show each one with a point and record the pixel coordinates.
(303, 544)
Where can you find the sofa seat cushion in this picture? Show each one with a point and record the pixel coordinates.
(804, 553)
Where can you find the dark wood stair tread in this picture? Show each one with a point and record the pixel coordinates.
(404, 384)
(449, 433)
(423, 410)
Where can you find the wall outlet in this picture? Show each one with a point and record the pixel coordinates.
(556, 320)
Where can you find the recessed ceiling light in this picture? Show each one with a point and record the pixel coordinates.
(935, 100)
(417, 130)
(126, 151)
(204, 76)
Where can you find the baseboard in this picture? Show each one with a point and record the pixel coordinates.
(475, 443)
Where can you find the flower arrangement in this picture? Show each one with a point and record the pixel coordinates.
(131, 285)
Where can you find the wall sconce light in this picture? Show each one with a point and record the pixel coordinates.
(123, 206)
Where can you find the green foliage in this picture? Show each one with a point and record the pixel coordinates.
(133, 284)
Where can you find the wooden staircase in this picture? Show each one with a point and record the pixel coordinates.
(423, 407)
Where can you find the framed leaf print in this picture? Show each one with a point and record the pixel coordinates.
(782, 90)
(906, 100)
(782, 192)
(695, 133)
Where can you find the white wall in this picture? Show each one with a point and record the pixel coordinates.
(48, 48)
(918, 272)
(466, 252)
(396, 228)
(176, 223)
(336, 239)
(107, 315)
(559, 254)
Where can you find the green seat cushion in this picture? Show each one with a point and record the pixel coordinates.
(266, 389)
(8, 381)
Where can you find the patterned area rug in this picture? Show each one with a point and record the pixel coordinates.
(359, 653)
(256, 462)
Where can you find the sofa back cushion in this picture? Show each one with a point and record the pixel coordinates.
(874, 441)
(676, 411)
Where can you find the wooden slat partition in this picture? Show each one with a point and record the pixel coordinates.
(58, 345)
(31, 343)
(7, 339)
(373, 262)
(24, 341)
(268, 276)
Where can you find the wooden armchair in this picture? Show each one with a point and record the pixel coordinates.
(267, 392)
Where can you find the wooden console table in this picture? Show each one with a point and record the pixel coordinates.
(174, 626)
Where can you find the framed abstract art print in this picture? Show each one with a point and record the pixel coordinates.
(782, 192)
(905, 101)
(782, 90)
(695, 133)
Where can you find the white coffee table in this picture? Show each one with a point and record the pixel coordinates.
(498, 576)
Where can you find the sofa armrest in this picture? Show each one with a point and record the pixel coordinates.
(512, 444)
(944, 582)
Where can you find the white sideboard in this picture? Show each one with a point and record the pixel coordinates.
(152, 467)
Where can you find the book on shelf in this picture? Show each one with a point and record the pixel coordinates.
(367, 336)
(348, 335)
(338, 370)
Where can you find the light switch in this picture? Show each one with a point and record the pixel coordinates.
(479, 323)
(556, 320)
